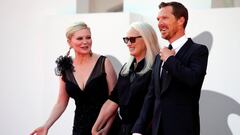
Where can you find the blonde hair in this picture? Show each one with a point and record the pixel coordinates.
(151, 41)
(76, 27)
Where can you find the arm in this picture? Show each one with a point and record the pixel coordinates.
(57, 111)
(111, 75)
(191, 72)
(105, 118)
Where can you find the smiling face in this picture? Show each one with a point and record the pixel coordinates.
(170, 27)
(138, 48)
(81, 41)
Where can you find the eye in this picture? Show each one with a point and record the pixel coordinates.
(80, 38)
(165, 18)
(132, 39)
(125, 40)
(88, 37)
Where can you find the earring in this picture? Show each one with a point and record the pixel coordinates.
(90, 53)
(68, 51)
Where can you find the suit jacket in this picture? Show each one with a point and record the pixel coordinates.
(174, 106)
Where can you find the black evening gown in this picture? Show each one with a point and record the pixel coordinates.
(89, 100)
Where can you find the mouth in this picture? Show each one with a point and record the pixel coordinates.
(84, 48)
(131, 49)
(163, 30)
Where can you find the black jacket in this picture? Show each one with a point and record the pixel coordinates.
(174, 109)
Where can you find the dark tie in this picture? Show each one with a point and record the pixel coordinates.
(170, 47)
(164, 72)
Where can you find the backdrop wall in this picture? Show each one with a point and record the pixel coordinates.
(33, 36)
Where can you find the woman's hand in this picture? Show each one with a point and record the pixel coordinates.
(40, 131)
(100, 132)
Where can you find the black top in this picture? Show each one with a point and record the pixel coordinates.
(130, 91)
(89, 100)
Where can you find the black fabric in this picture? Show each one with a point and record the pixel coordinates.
(175, 109)
(164, 71)
(129, 94)
(170, 47)
(125, 129)
(89, 100)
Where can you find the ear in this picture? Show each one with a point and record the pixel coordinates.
(69, 43)
(181, 21)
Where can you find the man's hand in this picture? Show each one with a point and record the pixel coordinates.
(165, 53)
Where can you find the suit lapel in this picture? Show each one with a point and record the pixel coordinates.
(156, 71)
(184, 49)
(180, 56)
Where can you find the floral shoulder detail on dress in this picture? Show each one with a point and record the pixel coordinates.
(63, 63)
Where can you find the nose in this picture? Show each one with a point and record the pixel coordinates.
(84, 41)
(129, 43)
(159, 22)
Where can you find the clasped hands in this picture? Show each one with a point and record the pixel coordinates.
(100, 132)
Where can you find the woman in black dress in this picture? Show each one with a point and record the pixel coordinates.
(88, 79)
(134, 77)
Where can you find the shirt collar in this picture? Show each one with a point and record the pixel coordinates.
(139, 65)
(177, 44)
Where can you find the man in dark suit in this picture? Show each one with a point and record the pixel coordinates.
(172, 102)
